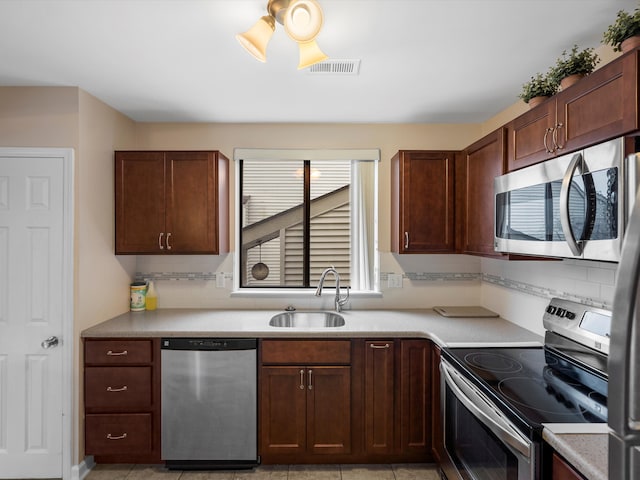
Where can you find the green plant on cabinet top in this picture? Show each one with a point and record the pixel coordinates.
(625, 26)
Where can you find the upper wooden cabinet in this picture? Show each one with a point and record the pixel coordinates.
(422, 202)
(171, 202)
(599, 107)
(482, 162)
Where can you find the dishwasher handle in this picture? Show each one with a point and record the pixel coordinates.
(208, 344)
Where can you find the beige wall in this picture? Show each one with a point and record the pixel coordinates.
(70, 118)
(102, 286)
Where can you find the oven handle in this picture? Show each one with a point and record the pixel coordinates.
(482, 408)
(565, 221)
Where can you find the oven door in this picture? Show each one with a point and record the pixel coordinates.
(480, 442)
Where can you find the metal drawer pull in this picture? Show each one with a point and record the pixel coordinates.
(544, 140)
(386, 345)
(168, 244)
(302, 379)
(111, 353)
(112, 437)
(122, 389)
(160, 241)
(310, 383)
(406, 239)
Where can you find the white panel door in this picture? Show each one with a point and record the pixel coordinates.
(32, 289)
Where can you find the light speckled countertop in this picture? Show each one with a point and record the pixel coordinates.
(586, 451)
(450, 332)
(585, 448)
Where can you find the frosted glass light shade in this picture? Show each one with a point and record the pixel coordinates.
(310, 53)
(303, 20)
(255, 39)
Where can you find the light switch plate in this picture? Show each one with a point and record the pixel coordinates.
(394, 280)
(220, 280)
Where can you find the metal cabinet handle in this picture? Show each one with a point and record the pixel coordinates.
(111, 353)
(121, 389)
(160, 246)
(555, 137)
(116, 437)
(310, 382)
(301, 379)
(167, 242)
(386, 345)
(544, 139)
(406, 239)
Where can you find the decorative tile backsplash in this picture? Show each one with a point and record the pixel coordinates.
(155, 276)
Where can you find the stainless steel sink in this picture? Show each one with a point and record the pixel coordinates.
(307, 319)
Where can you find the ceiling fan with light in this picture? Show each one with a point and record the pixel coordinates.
(302, 20)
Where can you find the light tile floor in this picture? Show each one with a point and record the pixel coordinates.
(271, 472)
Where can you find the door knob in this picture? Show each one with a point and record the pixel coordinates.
(50, 342)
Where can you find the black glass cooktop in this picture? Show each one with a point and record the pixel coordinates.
(531, 385)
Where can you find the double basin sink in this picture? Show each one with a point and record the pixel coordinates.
(307, 319)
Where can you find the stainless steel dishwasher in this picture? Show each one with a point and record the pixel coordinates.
(209, 403)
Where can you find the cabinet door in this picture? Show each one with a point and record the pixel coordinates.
(563, 471)
(140, 206)
(484, 160)
(600, 106)
(379, 405)
(437, 437)
(415, 397)
(191, 202)
(531, 136)
(423, 202)
(329, 410)
(283, 410)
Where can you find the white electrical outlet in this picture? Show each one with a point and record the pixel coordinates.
(220, 280)
(394, 280)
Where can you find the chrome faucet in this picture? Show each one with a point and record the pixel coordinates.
(339, 300)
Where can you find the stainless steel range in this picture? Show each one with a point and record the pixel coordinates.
(496, 400)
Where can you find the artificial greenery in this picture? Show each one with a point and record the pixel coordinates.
(625, 26)
(539, 86)
(575, 62)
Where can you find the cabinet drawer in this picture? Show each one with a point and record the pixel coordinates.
(306, 351)
(117, 352)
(118, 434)
(117, 387)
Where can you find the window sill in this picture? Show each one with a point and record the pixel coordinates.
(298, 293)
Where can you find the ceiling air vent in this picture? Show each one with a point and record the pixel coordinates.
(336, 67)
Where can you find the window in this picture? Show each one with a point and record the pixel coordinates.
(303, 211)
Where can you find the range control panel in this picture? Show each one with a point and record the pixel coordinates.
(587, 325)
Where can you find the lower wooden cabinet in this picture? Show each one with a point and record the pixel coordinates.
(306, 410)
(562, 470)
(122, 400)
(356, 401)
(397, 400)
(437, 434)
(305, 401)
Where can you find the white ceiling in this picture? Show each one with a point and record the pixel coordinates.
(423, 61)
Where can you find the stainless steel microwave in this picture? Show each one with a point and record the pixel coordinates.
(573, 206)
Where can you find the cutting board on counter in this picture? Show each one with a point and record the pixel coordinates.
(465, 312)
